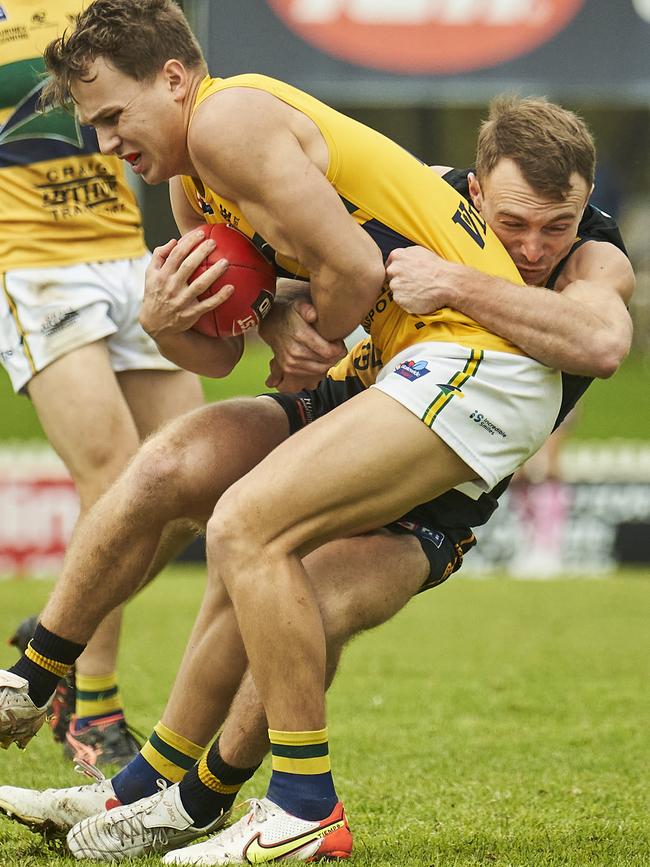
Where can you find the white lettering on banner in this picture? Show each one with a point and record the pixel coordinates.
(642, 8)
(449, 12)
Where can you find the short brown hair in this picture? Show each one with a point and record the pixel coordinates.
(547, 142)
(136, 36)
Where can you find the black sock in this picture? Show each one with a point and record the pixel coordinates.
(46, 660)
(211, 786)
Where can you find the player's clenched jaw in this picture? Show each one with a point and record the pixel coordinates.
(142, 122)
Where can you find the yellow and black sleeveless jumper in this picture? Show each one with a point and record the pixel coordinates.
(397, 199)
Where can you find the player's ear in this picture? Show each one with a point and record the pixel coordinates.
(176, 77)
(475, 193)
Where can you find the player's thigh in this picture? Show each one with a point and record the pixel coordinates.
(85, 416)
(363, 581)
(201, 454)
(363, 465)
(157, 396)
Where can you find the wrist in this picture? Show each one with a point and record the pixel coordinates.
(454, 284)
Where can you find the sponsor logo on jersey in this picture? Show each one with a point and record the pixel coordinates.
(205, 207)
(14, 34)
(229, 217)
(3, 14)
(40, 19)
(382, 303)
(412, 370)
(485, 423)
(427, 36)
(71, 190)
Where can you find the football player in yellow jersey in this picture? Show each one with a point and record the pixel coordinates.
(72, 265)
(387, 568)
(346, 503)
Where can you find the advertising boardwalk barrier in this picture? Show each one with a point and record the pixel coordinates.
(38, 510)
(595, 517)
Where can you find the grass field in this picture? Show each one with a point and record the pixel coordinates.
(491, 723)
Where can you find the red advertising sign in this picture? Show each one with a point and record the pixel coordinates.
(426, 36)
(37, 515)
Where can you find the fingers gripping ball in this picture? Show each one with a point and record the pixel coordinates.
(248, 271)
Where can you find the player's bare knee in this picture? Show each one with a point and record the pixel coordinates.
(232, 538)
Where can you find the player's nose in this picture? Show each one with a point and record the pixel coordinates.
(108, 141)
(532, 248)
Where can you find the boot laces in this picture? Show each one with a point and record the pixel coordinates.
(128, 825)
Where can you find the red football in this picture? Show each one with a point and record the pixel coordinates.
(248, 271)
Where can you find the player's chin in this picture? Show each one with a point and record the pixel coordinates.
(152, 173)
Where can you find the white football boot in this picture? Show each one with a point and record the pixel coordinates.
(55, 811)
(150, 825)
(269, 833)
(20, 719)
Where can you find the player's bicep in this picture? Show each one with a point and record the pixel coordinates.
(185, 216)
(602, 268)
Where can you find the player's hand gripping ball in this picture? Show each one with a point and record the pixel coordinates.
(248, 271)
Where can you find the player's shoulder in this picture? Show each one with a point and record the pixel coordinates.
(597, 225)
(234, 102)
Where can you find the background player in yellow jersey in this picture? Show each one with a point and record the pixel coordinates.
(351, 499)
(387, 568)
(72, 265)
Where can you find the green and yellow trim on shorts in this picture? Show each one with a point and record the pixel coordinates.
(453, 387)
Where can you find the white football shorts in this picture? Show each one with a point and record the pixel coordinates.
(46, 313)
(494, 409)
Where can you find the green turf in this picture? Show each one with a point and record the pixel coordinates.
(491, 723)
(613, 408)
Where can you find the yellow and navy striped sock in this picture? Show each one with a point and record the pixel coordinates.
(301, 782)
(48, 658)
(165, 756)
(211, 787)
(97, 696)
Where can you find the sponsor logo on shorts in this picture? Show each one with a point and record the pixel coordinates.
(412, 370)
(6, 355)
(446, 388)
(434, 536)
(305, 410)
(486, 424)
(58, 321)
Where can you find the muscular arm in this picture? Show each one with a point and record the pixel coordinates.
(260, 153)
(166, 279)
(583, 327)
